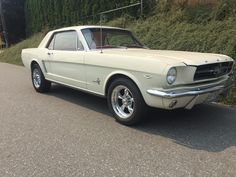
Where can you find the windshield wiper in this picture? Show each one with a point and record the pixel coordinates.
(134, 46)
(115, 46)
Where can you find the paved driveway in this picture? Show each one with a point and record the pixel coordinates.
(69, 133)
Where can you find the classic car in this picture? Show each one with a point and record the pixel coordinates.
(111, 62)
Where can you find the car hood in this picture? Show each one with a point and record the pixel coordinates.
(171, 57)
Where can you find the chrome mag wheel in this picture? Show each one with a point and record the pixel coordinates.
(37, 78)
(122, 101)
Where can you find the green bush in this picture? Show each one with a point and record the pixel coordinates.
(58, 13)
(226, 9)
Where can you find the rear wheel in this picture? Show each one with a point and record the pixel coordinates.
(126, 102)
(39, 82)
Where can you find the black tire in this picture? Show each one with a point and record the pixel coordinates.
(44, 85)
(139, 106)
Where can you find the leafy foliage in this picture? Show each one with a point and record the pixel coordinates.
(13, 13)
(58, 13)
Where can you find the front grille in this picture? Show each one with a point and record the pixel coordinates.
(211, 71)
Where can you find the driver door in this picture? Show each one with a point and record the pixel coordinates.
(67, 59)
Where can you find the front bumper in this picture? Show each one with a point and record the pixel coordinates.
(188, 97)
(176, 94)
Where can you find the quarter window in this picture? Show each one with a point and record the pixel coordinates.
(51, 45)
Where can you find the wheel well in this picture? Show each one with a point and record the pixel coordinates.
(114, 77)
(32, 63)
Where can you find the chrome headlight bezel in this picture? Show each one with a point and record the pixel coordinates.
(171, 76)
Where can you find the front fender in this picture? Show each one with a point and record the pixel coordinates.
(120, 72)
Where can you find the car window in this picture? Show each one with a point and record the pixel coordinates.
(110, 38)
(65, 41)
(51, 45)
(118, 39)
(80, 46)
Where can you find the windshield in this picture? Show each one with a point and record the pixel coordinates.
(111, 38)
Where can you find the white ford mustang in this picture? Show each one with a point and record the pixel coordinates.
(112, 63)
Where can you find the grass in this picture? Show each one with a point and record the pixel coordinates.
(173, 27)
(13, 54)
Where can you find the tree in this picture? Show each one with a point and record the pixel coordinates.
(57, 13)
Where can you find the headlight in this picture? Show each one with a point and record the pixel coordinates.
(171, 75)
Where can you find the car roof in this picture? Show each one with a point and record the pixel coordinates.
(85, 27)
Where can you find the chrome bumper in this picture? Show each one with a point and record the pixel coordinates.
(192, 92)
(182, 94)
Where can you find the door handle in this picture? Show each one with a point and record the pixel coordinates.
(49, 53)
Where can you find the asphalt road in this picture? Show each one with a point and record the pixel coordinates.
(69, 133)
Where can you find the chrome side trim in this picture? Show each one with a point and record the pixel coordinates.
(195, 92)
(76, 88)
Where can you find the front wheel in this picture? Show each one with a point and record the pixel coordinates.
(39, 82)
(126, 102)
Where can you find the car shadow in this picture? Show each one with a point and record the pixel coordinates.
(207, 127)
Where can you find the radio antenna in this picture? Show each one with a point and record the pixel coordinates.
(101, 15)
(140, 3)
